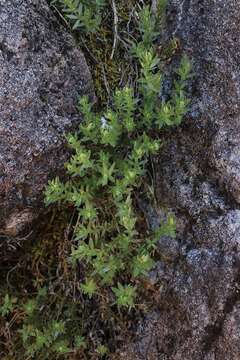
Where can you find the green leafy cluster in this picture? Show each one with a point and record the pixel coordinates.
(7, 305)
(112, 247)
(43, 337)
(82, 14)
(109, 166)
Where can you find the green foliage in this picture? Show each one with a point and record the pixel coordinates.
(36, 334)
(80, 342)
(147, 27)
(108, 165)
(166, 229)
(49, 338)
(142, 264)
(82, 14)
(43, 334)
(8, 305)
(102, 350)
(30, 307)
(89, 288)
(111, 248)
(125, 295)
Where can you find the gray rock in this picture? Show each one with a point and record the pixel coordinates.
(198, 178)
(41, 76)
(222, 232)
(225, 158)
(228, 337)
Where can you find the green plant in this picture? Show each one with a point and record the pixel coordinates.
(89, 288)
(102, 350)
(82, 14)
(8, 305)
(98, 264)
(80, 342)
(43, 334)
(125, 295)
(49, 338)
(108, 167)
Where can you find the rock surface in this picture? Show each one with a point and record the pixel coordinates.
(41, 76)
(198, 178)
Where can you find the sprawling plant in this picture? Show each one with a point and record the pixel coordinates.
(43, 334)
(82, 14)
(113, 248)
(108, 168)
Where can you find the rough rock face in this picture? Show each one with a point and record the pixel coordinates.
(41, 75)
(198, 177)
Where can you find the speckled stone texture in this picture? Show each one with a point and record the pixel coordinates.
(41, 76)
(197, 313)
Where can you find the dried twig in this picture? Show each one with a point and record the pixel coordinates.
(115, 28)
(105, 81)
(61, 16)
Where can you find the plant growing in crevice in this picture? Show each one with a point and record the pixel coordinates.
(112, 247)
(108, 167)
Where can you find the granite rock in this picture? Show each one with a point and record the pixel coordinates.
(42, 73)
(196, 316)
